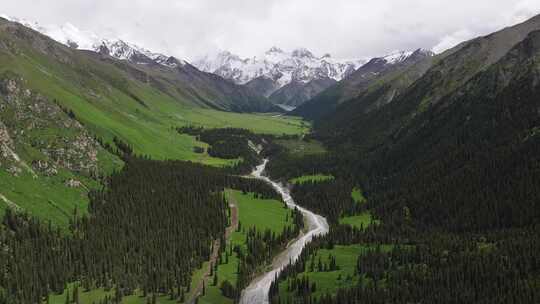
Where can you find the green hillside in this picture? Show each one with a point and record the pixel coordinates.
(60, 107)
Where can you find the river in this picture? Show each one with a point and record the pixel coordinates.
(257, 290)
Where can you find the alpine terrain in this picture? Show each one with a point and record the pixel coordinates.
(131, 176)
(286, 78)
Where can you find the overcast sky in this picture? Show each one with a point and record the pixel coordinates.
(343, 28)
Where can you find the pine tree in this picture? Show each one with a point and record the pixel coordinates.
(76, 294)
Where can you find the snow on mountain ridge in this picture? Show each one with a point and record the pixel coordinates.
(299, 65)
(71, 36)
(397, 56)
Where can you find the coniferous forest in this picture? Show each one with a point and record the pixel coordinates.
(147, 229)
(457, 193)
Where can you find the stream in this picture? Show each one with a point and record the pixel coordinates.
(257, 290)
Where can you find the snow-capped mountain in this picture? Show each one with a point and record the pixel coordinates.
(71, 36)
(296, 93)
(299, 65)
(128, 51)
(397, 57)
(391, 73)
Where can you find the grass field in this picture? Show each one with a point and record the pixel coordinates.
(316, 178)
(46, 197)
(297, 147)
(346, 257)
(96, 295)
(109, 112)
(263, 214)
(111, 103)
(361, 221)
(358, 196)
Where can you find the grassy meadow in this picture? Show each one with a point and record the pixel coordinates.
(133, 111)
(300, 147)
(109, 111)
(252, 212)
(315, 178)
(331, 281)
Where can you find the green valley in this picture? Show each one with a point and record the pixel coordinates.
(89, 97)
(129, 176)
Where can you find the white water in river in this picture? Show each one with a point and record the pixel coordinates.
(257, 291)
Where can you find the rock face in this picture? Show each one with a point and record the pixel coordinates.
(72, 183)
(263, 85)
(48, 138)
(296, 93)
(278, 66)
(6, 143)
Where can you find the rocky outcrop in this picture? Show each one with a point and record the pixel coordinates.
(50, 137)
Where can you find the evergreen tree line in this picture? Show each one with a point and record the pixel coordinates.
(261, 248)
(331, 198)
(147, 229)
(231, 143)
(498, 267)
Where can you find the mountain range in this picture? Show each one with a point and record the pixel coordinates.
(275, 81)
(282, 67)
(73, 37)
(287, 78)
(377, 71)
(174, 77)
(468, 116)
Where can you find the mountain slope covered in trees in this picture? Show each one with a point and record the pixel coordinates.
(450, 168)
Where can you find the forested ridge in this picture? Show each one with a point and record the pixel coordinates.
(455, 187)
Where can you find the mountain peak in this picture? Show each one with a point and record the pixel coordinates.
(397, 56)
(424, 52)
(282, 67)
(73, 37)
(274, 50)
(302, 53)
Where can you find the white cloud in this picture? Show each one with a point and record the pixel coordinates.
(344, 28)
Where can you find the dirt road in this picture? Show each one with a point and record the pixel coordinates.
(214, 257)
